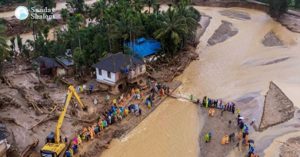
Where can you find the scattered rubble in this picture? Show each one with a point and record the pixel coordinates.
(165, 70)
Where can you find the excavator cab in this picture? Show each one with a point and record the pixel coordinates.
(53, 150)
(50, 138)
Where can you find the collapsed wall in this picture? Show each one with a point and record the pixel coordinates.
(278, 108)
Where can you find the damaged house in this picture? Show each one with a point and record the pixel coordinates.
(59, 66)
(48, 66)
(116, 71)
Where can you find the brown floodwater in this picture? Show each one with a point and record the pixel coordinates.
(228, 70)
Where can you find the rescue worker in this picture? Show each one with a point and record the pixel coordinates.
(79, 140)
(211, 112)
(207, 137)
(126, 111)
(225, 139)
(92, 133)
(233, 108)
(115, 102)
(251, 150)
(68, 153)
(107, 98)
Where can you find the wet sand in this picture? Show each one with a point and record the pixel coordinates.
(223, 71)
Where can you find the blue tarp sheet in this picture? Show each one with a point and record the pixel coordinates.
(144, 47)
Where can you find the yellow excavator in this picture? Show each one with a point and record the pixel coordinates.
(54, 146)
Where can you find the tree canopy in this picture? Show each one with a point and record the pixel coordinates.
(103, 28)
(3, 46)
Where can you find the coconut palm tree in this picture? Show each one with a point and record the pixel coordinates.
(173, 28)
(97, 11)
(150, 3)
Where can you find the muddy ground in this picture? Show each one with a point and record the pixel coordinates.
(30, 106)
(219, 126)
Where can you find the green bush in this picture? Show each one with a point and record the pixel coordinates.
(3, 2)
(277, 7)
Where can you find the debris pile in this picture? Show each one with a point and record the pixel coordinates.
(165, 69)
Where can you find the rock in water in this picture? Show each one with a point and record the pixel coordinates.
(271, 39)
(225, 31)
(278, 108)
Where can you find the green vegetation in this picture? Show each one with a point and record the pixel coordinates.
(3, 2)
(3, 47)
(278, 7)
(77, 6)
(46, 3)
(113, 24)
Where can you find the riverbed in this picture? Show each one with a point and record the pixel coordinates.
(229, 70)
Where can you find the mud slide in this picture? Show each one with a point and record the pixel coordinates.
(173, 129)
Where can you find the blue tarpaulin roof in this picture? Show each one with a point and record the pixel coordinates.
(144, 47)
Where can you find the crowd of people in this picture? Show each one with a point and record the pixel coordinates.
(243, 133)
(119, 109)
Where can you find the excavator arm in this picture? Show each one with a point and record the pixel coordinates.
(55, 148)
(71, 92)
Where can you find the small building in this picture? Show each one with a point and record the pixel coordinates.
(47, 66)
(118, 70)
(144, 47)
(67, 63)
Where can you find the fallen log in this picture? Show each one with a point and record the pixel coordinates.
(82, 120)
(11, 120)
(46, 119)
(27, 151)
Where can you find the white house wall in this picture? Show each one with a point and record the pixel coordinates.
(104, 77)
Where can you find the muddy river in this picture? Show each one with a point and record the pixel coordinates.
(228, 70)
